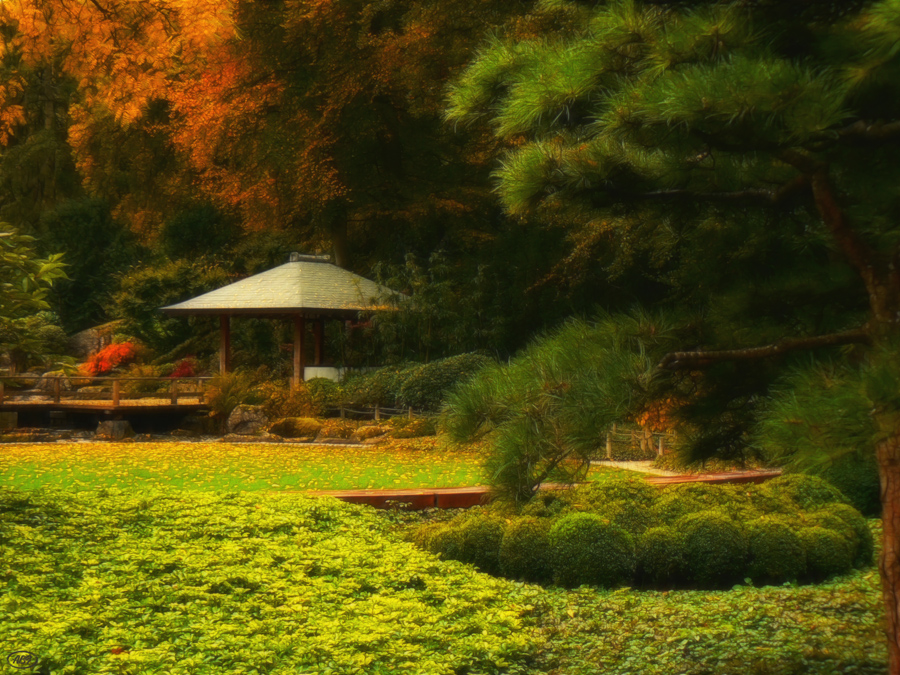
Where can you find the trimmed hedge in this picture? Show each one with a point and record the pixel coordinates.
(776, 551)
(525, 550)
(586, 549)
(828, 553)
(576, 537)
(660, 556)
(416, 385)
(479, 543)
(715, 548)
(807, 492)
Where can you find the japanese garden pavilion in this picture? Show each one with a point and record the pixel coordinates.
(305, 289)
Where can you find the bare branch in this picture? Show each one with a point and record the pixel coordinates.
(701, 359)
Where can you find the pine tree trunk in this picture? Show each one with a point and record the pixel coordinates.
(888, 454)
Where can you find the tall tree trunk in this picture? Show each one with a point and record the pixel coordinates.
(888, 454)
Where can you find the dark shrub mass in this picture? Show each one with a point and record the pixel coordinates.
(525, 550)
(587, 549)
(715, 548)
(776, 552)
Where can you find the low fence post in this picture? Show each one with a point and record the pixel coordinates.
(342, 411)
(608, 445)
(377, 412)
(200, 394)
(662, 448)
(173, 392)
(410, 412)
(56, 386)
(116, 393)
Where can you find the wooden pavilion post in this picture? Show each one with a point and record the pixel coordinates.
(225, 344)
(299, 330)
(320, 340)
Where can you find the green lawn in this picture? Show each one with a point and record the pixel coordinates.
(222, 466)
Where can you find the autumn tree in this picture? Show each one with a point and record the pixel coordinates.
(712, 133)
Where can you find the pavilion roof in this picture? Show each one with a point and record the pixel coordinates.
(306, 285)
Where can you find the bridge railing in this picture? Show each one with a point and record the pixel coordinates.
(81, 388)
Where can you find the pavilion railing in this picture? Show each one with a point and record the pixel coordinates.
(117, 390)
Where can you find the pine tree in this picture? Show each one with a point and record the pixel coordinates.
(749, 148)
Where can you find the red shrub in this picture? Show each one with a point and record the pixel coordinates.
(103, 362)
(185, 368)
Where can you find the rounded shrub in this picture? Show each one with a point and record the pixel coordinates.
(731, 499)
(776, 553)
(715, 548)
(479, 542)
(548, 504)
(630, 489)
(828, 553)
(445, 540)
(849, 522)
(525, 550)
(672, 507)
(424, 387)
(660, 556)
(631, 517)
(587, 549)
(807, 492)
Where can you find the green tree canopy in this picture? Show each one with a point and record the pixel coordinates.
(745, 153)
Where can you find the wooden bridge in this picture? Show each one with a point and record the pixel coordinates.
(110, 397)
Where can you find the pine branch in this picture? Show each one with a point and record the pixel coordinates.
(748, 196)
(701, 359)
(871, 131)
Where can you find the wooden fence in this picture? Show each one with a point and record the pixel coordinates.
(36, 389)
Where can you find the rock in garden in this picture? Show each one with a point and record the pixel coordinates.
(296, 427)
(114, 430)
(246, 420)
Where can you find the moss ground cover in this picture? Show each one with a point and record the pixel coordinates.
(410, 463)
(190, 582)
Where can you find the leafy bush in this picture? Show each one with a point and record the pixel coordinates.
(445, 541)
(547, 504)
(631, 517)
(525, 550)
(660, 555)
(807, 492)
(586, 549)
(776, 552)
(416, 427)
(323, 393)
(828, 553)
(337, 428)
(715, 548)
(479, 543)
(280, 400)
(671, 507)
(227, 391)
(425, 387)
(296, 427)
(109, 358)
(631, 489)
(865, 551)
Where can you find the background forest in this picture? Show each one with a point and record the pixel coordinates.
(165, 149)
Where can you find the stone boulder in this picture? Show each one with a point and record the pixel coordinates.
(296, 427)
(114, 430)
(247, 420)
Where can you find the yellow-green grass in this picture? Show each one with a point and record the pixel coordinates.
(412, 463)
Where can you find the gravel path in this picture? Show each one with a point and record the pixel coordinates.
(645, 466)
